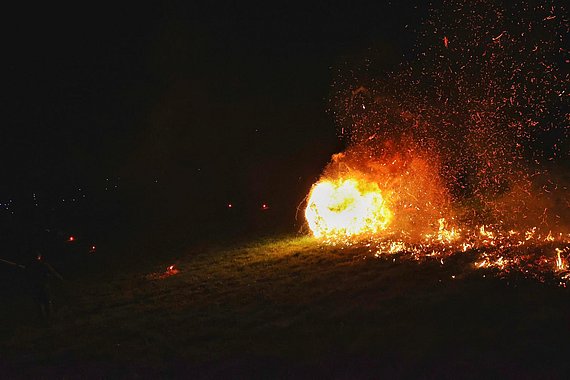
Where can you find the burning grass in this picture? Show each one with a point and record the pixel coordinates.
(293, 307)
(398, 205)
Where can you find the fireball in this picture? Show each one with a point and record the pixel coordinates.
(346, 208)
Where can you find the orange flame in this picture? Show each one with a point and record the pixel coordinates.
(560, 262)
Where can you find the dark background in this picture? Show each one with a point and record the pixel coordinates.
(134, 119)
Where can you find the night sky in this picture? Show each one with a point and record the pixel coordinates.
(189, 105)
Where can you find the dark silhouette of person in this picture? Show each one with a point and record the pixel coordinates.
(39, 273)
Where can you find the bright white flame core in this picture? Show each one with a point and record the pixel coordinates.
(346, 208)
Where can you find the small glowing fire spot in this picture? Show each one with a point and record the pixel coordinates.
(92, 249)
(445, 235)
(230, 205)
(346, 208)
(264, 207)
(486, 233)
(560, 262)
(171, 270)
(71, 238)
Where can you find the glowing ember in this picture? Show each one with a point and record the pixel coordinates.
(346, 208)
(171, 270)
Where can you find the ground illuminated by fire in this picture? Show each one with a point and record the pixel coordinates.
(349, 213)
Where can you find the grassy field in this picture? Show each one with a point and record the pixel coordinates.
(291, 308)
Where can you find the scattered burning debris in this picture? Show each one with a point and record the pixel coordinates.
(461, 149)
